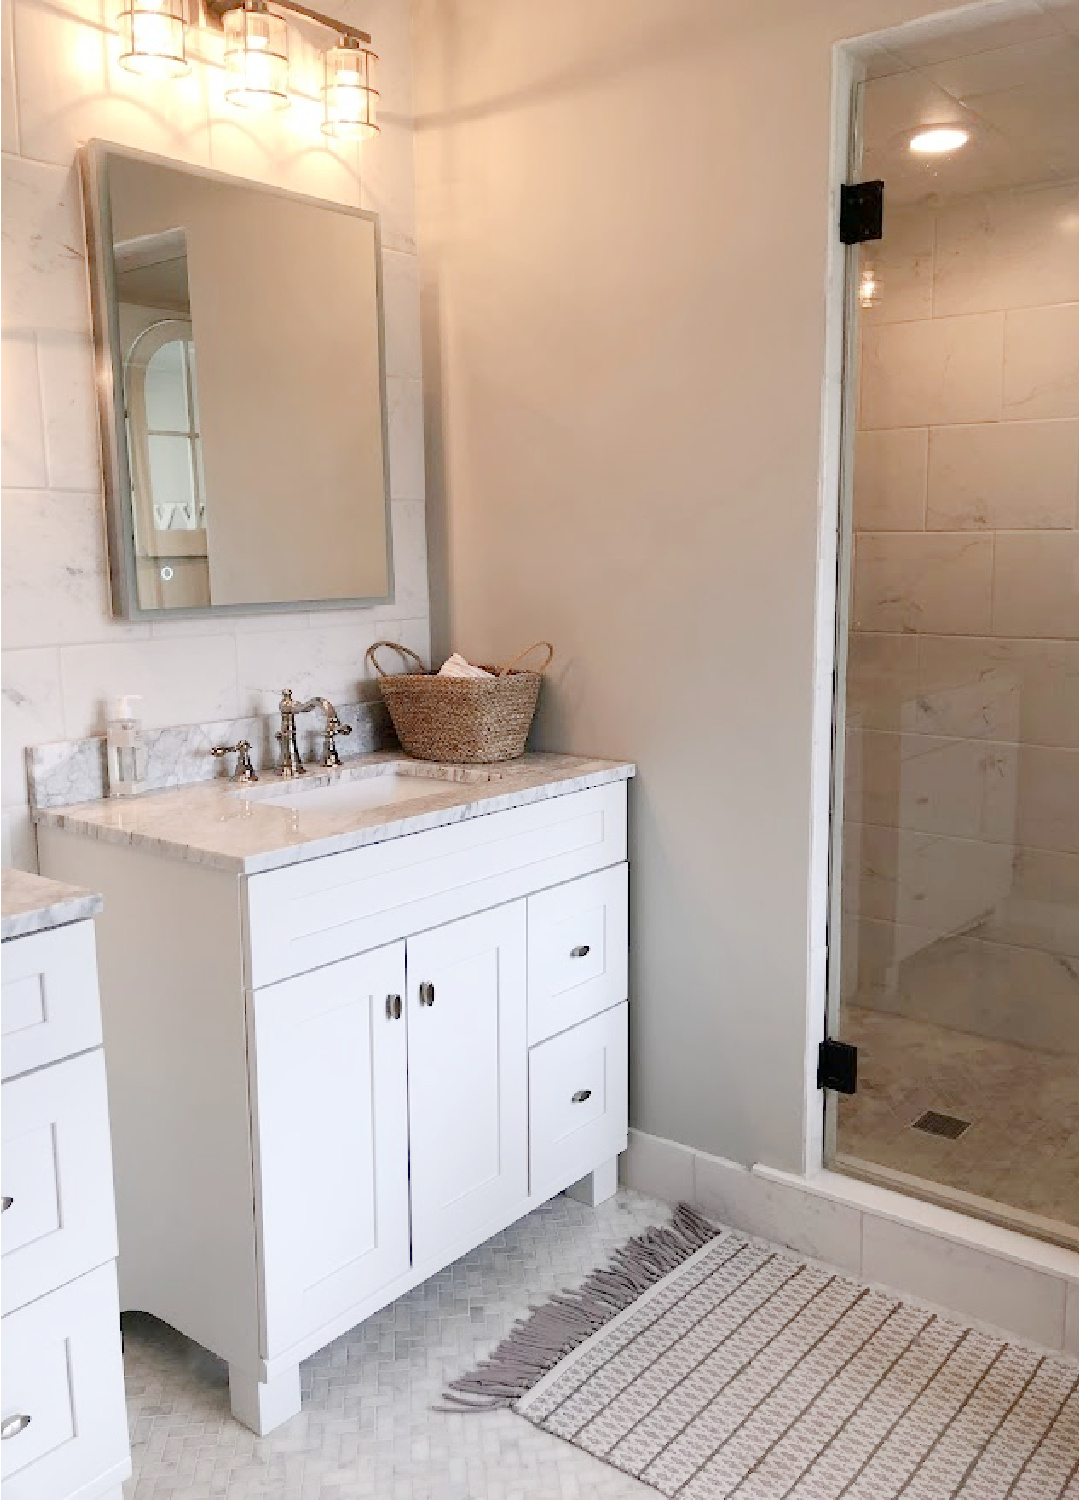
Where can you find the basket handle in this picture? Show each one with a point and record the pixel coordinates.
(404, 652)
(509, 665)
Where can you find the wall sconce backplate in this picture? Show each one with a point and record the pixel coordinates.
(215, 14)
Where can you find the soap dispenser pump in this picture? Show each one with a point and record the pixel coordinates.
(126, 747)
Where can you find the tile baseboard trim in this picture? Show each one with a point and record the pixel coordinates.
(977, 1270)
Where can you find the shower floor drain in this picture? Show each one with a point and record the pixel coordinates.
(949, 1127)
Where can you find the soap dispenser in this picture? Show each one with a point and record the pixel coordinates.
(126, 748)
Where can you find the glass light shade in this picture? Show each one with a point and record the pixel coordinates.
(349, 92)
(256, 58)
(153, 38)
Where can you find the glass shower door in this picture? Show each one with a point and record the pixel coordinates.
(955, 943)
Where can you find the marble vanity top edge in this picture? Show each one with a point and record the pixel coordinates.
(185, 823)
(33, 903)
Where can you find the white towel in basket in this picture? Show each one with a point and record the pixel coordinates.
(456, 666)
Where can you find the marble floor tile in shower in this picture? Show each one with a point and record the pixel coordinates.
(1022, 1146)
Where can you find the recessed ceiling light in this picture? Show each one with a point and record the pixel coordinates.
(938, 140)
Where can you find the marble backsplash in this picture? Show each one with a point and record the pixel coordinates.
(68, 771)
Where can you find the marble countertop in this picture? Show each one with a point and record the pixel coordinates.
(241, 830)
(30, 903)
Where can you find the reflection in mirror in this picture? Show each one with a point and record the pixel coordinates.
(168, 489)
(239, 331)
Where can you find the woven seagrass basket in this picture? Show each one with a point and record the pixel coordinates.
(471, 719)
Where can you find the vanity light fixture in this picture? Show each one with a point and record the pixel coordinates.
(256, 63)
(256, 57)
(938, 140)
(153, 38)
(349, 93)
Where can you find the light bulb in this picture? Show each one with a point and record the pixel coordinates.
(938, 140)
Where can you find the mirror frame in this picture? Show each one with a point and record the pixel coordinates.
(109, 378)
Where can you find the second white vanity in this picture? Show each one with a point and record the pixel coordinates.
(353, 1027)
(63, 1425)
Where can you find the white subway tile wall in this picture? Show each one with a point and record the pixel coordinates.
(63, 655)
(1002, 476)
(890, 478)
(1041, 360)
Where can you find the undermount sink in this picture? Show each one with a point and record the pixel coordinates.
(383, 788)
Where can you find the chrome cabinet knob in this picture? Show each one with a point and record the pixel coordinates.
(6, 1203)
(582, 950)
(12, 1426)
(427, 993)
(393, 1007)
(581, 1095)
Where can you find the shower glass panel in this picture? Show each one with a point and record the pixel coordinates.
(956, 873)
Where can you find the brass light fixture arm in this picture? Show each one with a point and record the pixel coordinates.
(215, 10)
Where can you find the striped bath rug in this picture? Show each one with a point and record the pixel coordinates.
(708, 1364)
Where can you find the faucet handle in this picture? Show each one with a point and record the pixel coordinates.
(245, 771)
(334, 727)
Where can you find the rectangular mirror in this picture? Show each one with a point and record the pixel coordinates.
(241, 378)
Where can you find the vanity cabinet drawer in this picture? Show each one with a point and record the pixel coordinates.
(322, 910)
(48, 997)
(578, 951)
(577, 1101)
(56, 1178)
(63, 1370)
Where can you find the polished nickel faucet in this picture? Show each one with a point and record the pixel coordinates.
(291, 764)
(334, 727)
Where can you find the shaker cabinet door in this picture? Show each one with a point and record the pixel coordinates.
(331, 1092)
(59, 1218)
(468, 1083)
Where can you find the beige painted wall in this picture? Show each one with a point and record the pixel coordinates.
(624, 231)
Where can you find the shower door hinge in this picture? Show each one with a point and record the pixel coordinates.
(837, 1066)
(861, 212)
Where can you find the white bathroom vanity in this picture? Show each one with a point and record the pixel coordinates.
(354, 1025)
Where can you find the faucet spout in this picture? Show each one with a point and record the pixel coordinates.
(291, 764)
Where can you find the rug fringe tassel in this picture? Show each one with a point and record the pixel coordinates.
(535, 1344)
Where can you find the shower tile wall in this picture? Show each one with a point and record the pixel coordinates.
(961, 836)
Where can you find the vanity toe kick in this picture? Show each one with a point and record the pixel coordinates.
(261, 1404)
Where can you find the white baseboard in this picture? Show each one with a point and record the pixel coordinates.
(1023, 1285)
